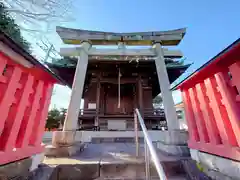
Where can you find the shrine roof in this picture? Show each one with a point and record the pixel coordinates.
(76, 36)
(66, 70)
(6, 41)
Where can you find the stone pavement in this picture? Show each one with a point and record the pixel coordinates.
(109, 153)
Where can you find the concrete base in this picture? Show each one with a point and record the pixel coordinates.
(63, 151)
(176, 137)
(217, 167)
(174, 143)
(155, 135)
(176, 150)
(63, 138)
(63, 144)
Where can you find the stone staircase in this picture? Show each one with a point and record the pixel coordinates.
(128, 170)
(108, 160)
(113, 158)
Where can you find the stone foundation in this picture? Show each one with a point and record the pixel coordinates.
(63, 138)
(217, 167)
(20, 169)
(175, 150)
(174, 143)
(63, 144)
(155, 135)
(63, 151)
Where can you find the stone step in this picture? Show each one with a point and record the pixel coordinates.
(152, 178)
(112, 161)
(173, 170)
(116, 140)
(124, 169)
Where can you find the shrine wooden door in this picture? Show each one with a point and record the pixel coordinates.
(111, 101)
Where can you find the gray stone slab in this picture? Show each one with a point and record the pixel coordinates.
(177, 150)
(15, 169)
(174, 137)
(130, 171)
(216, 166)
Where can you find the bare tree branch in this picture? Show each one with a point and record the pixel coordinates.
(36, 18)
(39, 12)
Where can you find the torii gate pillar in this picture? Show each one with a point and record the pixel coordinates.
(174, 140)
(63, 142)
(169, 109)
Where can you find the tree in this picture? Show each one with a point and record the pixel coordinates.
(63, 112)
(8, 26)
(55, 118)
(37, 19)
(38, 15)
(157, 101)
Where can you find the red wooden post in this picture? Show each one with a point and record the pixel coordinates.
(23, 103)
(9, 98)
(192, 126)
(229, 100)
(219, 112)
(234, 70)
(207, 114)
(36, 137)
(34, 113)
(198, 116)
(3, 63)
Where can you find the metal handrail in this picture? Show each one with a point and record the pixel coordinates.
(149, 147)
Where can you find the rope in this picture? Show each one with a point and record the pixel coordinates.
(119, 88)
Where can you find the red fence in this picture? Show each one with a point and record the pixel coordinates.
(24, 100)
(212, 104)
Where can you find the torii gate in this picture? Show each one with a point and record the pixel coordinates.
(87, 39)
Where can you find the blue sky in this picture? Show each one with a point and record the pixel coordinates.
(211, 25)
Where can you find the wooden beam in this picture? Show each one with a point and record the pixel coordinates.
(98, 99)
(140, 95)
(115, 81)
(120, 52)
(14, 56)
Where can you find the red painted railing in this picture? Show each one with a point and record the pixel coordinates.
(212, 104)
(24, 100)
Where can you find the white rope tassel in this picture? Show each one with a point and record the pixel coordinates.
(119, 88)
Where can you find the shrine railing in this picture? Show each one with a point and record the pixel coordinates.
(25, 94)
(150, 154)
(154, 112)
(147, 112)
(87, 112)
(212, 106)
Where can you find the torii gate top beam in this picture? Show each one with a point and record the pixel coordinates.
(76, 36)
